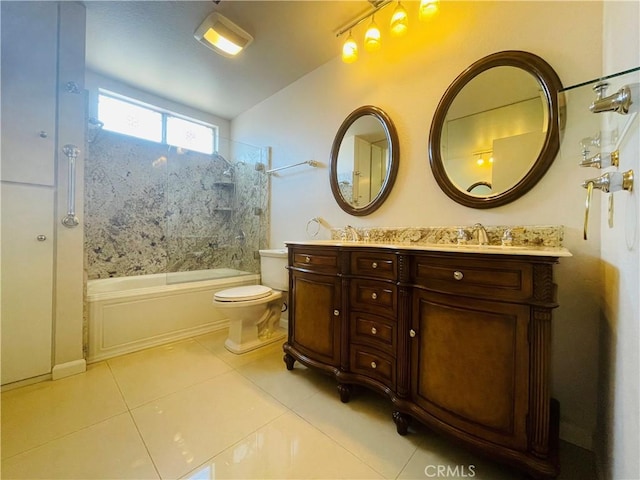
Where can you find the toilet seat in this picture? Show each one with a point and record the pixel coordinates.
(243, 294)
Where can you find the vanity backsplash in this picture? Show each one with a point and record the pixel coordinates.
(522, 235)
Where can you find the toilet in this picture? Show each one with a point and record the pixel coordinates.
(254, 311)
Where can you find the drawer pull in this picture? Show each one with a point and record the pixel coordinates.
(336, 313)
(373, 365)
(307, 259)
(458, 275)
(374, 330)
(374, 265)
(374, 295)
(412, 333)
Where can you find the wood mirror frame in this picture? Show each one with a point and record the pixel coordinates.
(393, 158)
(549, 83)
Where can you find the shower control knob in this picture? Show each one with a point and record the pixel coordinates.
(373, 330)
(336, 313)
(41, 238)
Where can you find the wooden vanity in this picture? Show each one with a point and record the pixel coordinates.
(458, 340)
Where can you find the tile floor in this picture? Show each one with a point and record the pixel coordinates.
(193, 410)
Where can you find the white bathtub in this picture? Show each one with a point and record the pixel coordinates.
(127, 314)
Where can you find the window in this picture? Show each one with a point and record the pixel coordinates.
(125, 117)
(128, 117)
(189, 135)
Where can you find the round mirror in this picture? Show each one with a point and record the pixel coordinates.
(496, 130)
(364, 160)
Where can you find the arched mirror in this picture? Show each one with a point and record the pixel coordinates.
(496, 130)
(364, 160)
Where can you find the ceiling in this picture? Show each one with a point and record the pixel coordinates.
(150, 45)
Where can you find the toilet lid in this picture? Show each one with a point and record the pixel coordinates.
(242, 294)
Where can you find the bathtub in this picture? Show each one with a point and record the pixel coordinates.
(127, 314)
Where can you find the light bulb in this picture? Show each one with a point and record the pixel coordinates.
(399, 21)
(480, 161)
(350, 50)
(372, 37)
(427, 9)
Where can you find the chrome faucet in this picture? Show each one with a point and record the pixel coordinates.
(351, 232)
(483, 238)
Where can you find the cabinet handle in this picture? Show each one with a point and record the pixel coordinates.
(373, 365)
(412, 333)
(374, 295)
(336, 313)
(374, 265)
(307, 259)
(458, 275)
(41, 238)
(373, 330)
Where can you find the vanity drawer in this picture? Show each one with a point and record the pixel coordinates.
(373, 296)
(497, 279)
(374, 264)
(372, 363)
(317, 260)
(373, 330)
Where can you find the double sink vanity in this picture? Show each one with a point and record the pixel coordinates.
(453, 325)
(457, 336)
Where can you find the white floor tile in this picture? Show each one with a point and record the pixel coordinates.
(287, 448)
(195, 407)
(186, 428)
(150, 374)
(288, 387)
(34, 415)
(214, 342)
(363, 426)
(109, 450)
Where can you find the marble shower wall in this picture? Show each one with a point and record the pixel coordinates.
(151, 209)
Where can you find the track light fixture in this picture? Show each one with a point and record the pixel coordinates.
(398, 26)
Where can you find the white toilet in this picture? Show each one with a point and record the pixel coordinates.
(254, 311)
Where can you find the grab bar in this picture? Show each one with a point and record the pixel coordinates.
(311, 163)
(70, 221)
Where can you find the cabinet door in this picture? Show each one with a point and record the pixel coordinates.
(470, 365)
(29, 68)
(317, 316)
(27, 281)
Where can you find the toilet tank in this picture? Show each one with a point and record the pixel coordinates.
(273, 269)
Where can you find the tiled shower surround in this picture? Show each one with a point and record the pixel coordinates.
(150, 208)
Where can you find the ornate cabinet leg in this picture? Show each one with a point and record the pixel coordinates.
(289, 361)
(345, 392)
(402, 422)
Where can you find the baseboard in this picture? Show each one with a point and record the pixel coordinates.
(577, 435)
(67, 369)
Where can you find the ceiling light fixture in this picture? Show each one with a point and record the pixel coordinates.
(350, 50)
(372, 37)
(427, 9)
(398, 25)
(399, 21)
(222, 35)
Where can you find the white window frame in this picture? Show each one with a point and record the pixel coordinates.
(165, 114)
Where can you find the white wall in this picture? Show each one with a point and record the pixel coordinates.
(407, 78)
(617, 440)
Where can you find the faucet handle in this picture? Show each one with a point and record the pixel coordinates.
(461, 237)
(507, 237)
